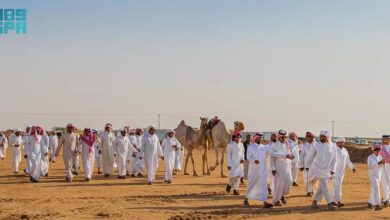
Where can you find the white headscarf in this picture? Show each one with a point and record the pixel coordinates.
(148, 128)
(325, 133)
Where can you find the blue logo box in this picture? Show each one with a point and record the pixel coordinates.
(13, 21)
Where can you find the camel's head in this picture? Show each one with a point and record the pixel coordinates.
(239, 126)
(203, 122)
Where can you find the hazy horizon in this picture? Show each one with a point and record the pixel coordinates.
(293, 65)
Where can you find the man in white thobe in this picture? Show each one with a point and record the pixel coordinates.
(385, 180)
(170, 145)
(53, 145)
(16, 143)
(45, 153)
(131, 156)
(26, 150)
(98, 152)
(137, 167)
(70, 142)
(324, 159)
(178, 160)
(35, 152)
(309, 176)
(257, 171)
(281, 170)
(76, 158)
(151, 152)
(121, 148)
(3, 145)
(272, 140)
(246, 144)
(87, 150)
(293, 144)
(375, 164)
(235, 162)
(107, 139)
(342, 160)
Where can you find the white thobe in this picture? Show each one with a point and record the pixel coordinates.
(70, 142)
(53, 145)
(235, 154)
(107, 140)
(257, 173)
(324, 159)
(385, 180)
(151, 151)
(26, 152)
(374, 174)
(3, 146)
(282, 179)
(17, 145)
(35, 155)
(45, 150)
(121, 148)
(268, 167)
(294, 163)
(342, 160)
(138, 162)
(131, 155)
(98, 154)
(179, 158)
(169, 155)
(309, 176)
(88, 158)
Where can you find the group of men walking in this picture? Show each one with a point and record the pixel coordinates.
(131, 152)
(269, 169)
(273, 168)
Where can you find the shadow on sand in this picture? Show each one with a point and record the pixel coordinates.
(229, 210)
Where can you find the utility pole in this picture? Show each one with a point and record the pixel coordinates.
(159, 120)
(332, 128)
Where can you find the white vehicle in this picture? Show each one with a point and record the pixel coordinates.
(361, 141)
(376, 143)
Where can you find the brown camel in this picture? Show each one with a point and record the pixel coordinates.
(190, 138)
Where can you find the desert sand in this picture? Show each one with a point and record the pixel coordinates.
(187, 197)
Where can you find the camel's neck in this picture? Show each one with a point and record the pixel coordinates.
(202, 131)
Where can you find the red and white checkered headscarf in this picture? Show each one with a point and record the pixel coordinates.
(72, 127)
(35, 130)
(310, 133)
(255, 136)
(89, 138)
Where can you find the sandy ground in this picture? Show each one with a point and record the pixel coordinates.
(188, 197)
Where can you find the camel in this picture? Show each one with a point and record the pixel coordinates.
(191, 138)
(220, 138)
(205, 143)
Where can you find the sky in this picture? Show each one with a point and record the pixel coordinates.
(278, 64)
